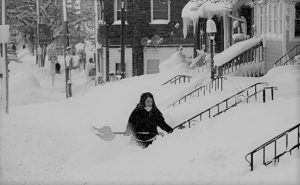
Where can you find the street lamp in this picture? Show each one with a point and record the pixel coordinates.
(211, 30)
(122, 39)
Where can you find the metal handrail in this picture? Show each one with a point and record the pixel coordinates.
(274, 140)
(218, 81)
(287, 54)
(245, 57)
(178, 78)
(209, 110)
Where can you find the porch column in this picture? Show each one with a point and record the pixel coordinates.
(226, 28)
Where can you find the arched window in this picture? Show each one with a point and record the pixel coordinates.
(280, 18)
(297, 20)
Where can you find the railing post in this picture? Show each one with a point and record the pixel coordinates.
(272, 93)
(275, 142)
(264, 156)
(247, 96)
(221, 83)
(215, 84)
(286, 140)
(298, 136)
(262, 52)
(259, 54)
(209, 113)
(255, 93)
(251, 161)
(264, 95)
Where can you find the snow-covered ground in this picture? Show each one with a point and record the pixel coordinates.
(46, 139)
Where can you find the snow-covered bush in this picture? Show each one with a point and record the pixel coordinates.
(79, 48)
(176, 63)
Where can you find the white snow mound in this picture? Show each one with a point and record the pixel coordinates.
(22, 81)
(176, 63)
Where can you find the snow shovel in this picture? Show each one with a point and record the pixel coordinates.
(107, 134)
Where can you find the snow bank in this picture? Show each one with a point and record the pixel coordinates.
(23, 80)
(52, 143)
(176, 63)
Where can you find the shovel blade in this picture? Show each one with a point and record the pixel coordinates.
(104, 133)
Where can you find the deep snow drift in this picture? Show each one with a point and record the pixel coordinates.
(51, 142)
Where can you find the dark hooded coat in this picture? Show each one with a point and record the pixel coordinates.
(141, 120)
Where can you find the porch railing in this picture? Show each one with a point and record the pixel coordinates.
(232, 101)
(178, 79)
(215, 85)
(252, 55)
(285, 59)
(275, 141)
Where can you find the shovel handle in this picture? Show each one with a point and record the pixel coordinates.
(123, 133)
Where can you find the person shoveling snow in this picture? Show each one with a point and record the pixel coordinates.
(142, 124)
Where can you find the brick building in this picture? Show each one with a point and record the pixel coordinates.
(144, 18)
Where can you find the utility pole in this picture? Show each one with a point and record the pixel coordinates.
(66, 43)
(105, 18)
(38, 49)
(97, 63)
(4, 99)
(122, 39)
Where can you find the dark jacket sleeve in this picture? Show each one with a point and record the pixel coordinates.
(130, 124)
(162, 124)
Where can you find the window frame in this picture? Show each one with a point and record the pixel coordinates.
(116, 20)
(161, 21)
(296, 19)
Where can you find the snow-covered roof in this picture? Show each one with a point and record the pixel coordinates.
(195, 9)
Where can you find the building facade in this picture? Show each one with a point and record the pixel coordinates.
(279, 24)
(153, 31)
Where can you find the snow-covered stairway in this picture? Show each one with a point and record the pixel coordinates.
(255, 91)
(289, 57)
(248, 52)
(213, 85)
(284, 143)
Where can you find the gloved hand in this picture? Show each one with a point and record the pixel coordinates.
(161, 134)
(127, 133)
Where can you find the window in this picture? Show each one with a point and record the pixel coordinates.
(261, 18)
(118, 6)
(152, 66)
(160, 11)
(280, 19)
(275, 20)
(297, 20)
(270, 19)
(265, 19)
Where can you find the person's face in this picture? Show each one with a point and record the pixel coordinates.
(148, 102)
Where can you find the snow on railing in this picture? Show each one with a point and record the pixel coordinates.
(232, 101)
(214, 84)
(286, 59)
(235, 50)
(275, 140)
(253, 52)
(178, 79)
